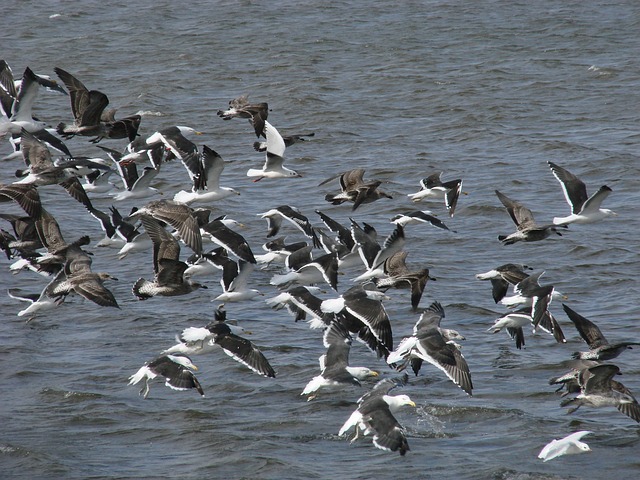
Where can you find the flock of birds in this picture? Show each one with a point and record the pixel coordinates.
(307, 268)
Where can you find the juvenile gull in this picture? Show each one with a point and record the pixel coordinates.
(599, 347)
(179, 216)
(90, 117)
(355, 189)
(527, 229)
(240, 107)
(433, 187)
(174, 369)
(398, 275)
(599, 389)
(584, 209)
(568, 445)
(374, 416)
(432, 344)
(169, 270)
(334, 364)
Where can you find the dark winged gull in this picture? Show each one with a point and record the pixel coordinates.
(431, 344)
(204, 171)
(374, 416)
(584, 209)
(174, 369)
(198, 340)
(364, 305)
(334, 364)
(235, 280)
(275, 216)
(433, 187)
(274, 159)
(503, 276)
(418, 216)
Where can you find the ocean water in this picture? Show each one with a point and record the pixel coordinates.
(485, 91)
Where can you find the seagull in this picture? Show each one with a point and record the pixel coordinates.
(503, 276)
(229, 239)
(135, 185)
(275, 216)
(90, 117)
(302, 303)
(179, 216)
(235, 276)
(398, 275)
(583, 209)
(334, 364)
(433, 187)
(432, 344)
(38, 303)
(174, 369)
(568, 445)
(372, 254)
(355, 189)
(174, 140)
(599, 347)
(598, 389)
(274, 162)
(363, 307)
(529, 292)
(169, 270)
(240, 107)
(277, 250)
(204, 171)
(288, 141)
(198, 340)
(84, 282)
(374, 415)
(323, 268)
(527, 229)
(17, 102)
(513, 322)
(419, 216)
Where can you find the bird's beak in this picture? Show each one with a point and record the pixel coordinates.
(413, 404)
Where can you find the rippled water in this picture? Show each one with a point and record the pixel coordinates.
(487, 91)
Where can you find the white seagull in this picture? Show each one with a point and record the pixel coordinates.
(565, 446)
